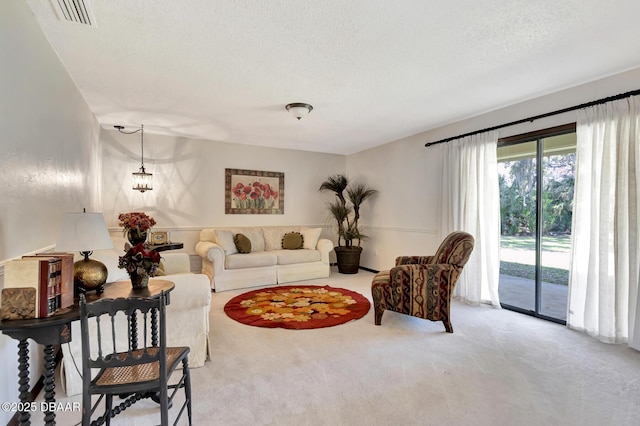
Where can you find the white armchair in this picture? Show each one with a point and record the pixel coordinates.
(187, 314)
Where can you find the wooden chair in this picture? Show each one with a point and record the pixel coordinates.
(422, 286)
(138, 369)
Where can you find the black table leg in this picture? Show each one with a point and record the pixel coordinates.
(23, 382)
(49, 384)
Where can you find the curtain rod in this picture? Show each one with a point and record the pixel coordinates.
(537, 117)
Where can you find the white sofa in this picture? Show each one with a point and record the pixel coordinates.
(187, 313)
(267, 263)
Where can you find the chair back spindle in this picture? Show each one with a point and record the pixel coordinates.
(129, 360)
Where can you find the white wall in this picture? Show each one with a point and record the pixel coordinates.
(189, 180)
(48, 158)
(404, 218)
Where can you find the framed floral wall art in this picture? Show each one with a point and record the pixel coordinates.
(253, 192)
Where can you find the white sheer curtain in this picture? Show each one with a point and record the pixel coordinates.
(471, 203)
(603, 287)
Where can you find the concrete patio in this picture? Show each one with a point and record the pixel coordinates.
(520, 292)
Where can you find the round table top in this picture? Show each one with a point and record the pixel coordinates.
(111, 291)
(124, 289)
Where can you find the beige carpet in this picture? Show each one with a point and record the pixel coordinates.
(498, 368)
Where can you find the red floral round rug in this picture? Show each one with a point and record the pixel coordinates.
(297, 307)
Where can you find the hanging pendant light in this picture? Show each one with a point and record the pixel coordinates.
(142, 181)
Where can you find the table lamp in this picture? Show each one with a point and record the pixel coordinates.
(85, 232)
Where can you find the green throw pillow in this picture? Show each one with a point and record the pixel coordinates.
(243, 244)
(292, 241)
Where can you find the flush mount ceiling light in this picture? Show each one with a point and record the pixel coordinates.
(141, 179)
(299, 109)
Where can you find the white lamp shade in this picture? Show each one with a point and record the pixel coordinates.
(84, 232)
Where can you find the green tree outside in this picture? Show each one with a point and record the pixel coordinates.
(518, 195)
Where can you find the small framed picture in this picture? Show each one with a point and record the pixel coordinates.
(159, 237)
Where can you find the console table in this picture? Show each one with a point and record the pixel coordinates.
(56, 330)
(164, 247)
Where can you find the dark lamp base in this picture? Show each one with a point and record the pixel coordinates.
(89, 275)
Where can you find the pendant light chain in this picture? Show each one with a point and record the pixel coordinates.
(142, 146)
(141, 179)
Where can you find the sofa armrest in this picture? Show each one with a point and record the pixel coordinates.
(213, 253)
(324, 246)
(202, 248)
(191, 291)
(175, 263)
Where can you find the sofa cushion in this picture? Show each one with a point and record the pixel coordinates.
(224, 238)
(273, 236)
(288, 257)
(256, 237)
(311, 237)
(208, 234)
(175, 263)
(292, 241)
(243, 244)
(254, 234)
(250, 260)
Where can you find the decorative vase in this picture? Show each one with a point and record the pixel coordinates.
(139, 281)
(135, 237)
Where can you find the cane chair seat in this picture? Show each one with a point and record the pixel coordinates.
(124, 376)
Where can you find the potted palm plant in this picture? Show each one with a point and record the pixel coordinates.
(345, 211)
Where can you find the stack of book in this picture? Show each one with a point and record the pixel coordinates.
(37, 286)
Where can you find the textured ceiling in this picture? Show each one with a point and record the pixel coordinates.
(374, 70)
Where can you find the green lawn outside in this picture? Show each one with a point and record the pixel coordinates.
(560, 243)
(549, 275)
(524, 269)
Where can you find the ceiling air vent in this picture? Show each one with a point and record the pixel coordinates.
(78, 11)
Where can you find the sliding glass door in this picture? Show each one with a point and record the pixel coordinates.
(536, 175)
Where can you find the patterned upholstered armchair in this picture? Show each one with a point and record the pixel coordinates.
(422, 286)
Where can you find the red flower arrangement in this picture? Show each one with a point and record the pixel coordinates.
(254, 196)
(136, 220)
(139, 260)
